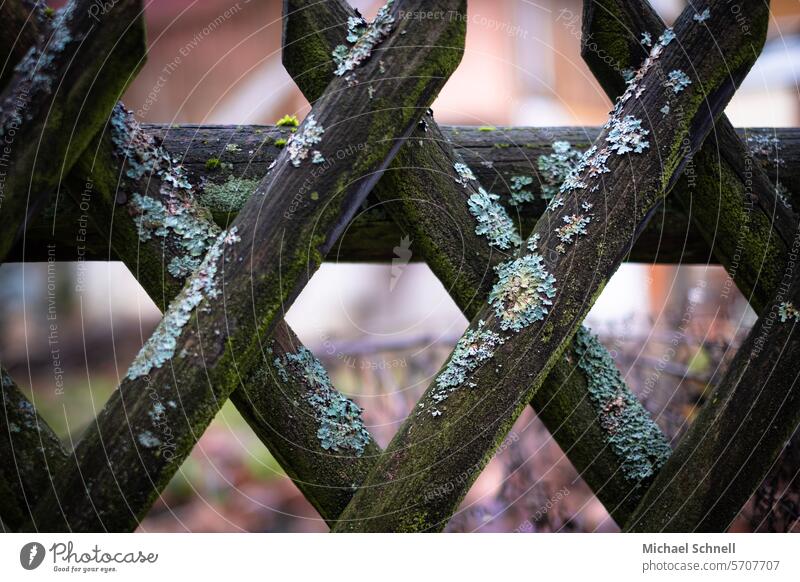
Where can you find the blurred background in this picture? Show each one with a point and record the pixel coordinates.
(382, 338)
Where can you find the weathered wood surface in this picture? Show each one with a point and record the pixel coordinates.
(22, 21)
(30, 455)
(511, 151)
(60, 96)
(727, 195)
(428, 199)
(668, 238)
(735, 206)
(210, 336)
(442, 440)
(740, 431)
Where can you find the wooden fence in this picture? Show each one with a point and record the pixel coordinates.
(520, 226)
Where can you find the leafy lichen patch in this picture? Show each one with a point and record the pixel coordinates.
(160, 348)
(556, 167)
(787, 311)
(574, 226)
(364, 40)
(181, 226)
(631, 432)
(519, 191)
(493, 220)
(702, 16)
(677, 80)
(523, 292)
(464, 173)
(300, 144)
(474, 348)
(340, 426)
(627, 135)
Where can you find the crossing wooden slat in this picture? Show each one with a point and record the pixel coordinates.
(60, 95)
(638, 159)
(209, 337)
(30, 455)
(427, 197)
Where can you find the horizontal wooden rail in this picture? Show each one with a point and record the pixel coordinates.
(495, 154)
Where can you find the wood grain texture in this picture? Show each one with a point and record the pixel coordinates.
(281, 235)
(431, 451)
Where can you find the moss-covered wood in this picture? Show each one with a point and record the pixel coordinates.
(427, 197)
(275, 401)
(735, 206)
(208, 339)
(30, 455)
(371, 237)
(60, 96)
(540, 299)
(725, 191)
(741, 430)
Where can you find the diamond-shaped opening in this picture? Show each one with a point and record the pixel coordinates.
(379, 342)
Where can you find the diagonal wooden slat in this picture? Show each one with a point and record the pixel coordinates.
(429, 199)
(637, 161)
(741, 430)
(740, 219)
(207, 340)
(729, 199)
(494, 155)
(60, 95)
(22, 21)
(277, 404)
(30, 455)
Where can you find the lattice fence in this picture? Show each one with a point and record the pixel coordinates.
(225, 263)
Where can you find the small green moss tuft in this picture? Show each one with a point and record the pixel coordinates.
(212, 164)
(280, 142)
(288, 121)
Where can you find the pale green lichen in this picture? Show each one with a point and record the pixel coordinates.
(627, 135)
(474, 348)
(181, 226)
(677, 80)
(228, 196)
(300, 143)
(518, 189)
(493, 220)
(161, 345)
(574, 226)
(787, 311)
(634, 438)
(364, 41)
(556, 167)
(340, 426)
(148, 440)
(523, 292)
(464, 173)
(702, 16)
